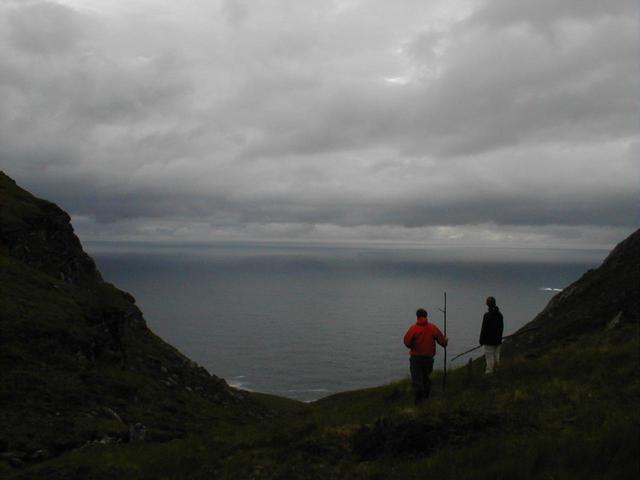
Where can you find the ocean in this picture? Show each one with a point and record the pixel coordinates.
(306, 321)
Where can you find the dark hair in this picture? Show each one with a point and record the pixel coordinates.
(421, 312)
(491, 302)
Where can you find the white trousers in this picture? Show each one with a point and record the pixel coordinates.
(491, 357)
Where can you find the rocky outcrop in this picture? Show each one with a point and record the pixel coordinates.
(601, 298)
(40, 234)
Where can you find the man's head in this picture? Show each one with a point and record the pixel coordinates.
(491, 302)
(421, 312)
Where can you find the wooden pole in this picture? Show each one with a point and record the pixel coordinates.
(444, 377)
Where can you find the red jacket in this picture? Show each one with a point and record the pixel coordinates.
(421, 338)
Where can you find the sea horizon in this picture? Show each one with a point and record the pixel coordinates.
(308, 320)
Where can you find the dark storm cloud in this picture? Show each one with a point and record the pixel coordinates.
(603, 209)
(497, 88)
(542, 13)
(361, 115)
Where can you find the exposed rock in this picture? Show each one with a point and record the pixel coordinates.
(15, 459)
(137, 433)
(606, 296)
(113, 414)
(39, 233)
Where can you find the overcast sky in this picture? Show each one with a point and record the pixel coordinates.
(470, 122)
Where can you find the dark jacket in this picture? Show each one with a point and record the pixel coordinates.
(492, 327)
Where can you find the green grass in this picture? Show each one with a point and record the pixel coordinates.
(571, 412)
(56, 397)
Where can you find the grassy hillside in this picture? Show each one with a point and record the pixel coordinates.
(570, 412)
(74, 373)
(79, 365)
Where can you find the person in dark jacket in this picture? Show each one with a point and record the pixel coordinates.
(421, 339)
(491, 335)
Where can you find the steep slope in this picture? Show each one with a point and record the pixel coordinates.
(79, 363)
(39, 234)
(608, 295)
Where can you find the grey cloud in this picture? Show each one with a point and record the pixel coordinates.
(236, 11)
(361, 116)
(542, 13)
(497, 88)
(349, 210)
(501, 90)
(44, 28)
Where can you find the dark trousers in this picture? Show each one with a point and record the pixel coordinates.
(421, 368)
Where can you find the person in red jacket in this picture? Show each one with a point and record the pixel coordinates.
(421, 339)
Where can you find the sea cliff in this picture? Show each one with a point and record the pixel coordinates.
(88, 391)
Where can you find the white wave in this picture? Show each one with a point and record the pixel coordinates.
(237, 382)
(307, 390)
(241, 386)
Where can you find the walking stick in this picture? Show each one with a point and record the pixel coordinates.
(444, 377)
(465, 352)
(530, 329)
